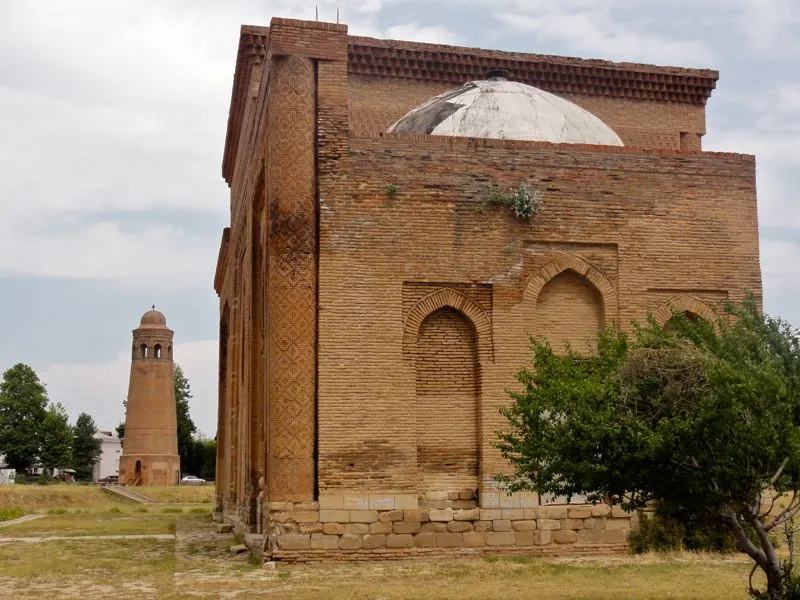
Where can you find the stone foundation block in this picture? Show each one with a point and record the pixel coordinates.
(472, 514)
(528, 499)
(381, 502)
(349, 542)
(594, 523)
(551, 524)
(356, 528)
(373, 541)
(579, 512)
(500, 538)
(463, 504)
(601, 510)
(541, 538)
(434, 527)
(554, 512)
(310, 527)
(572, 524)
(459, 526)
(474, 539)
(390, 515)
(403, 540)
(524, 538)
(523, 525)
(418, 515)
(406, 501)
(331, 502)
(618, 523)
(436, 496)
(490, 500)
(453, 495)
(332, 528)
(355, 502)
(490, 514)
(482, 525)
(406, 527)
(280, 506)
(466, 495)
(532, 513)
(425, 540)
(294, 541)
(509, 500)
(363, 516)
(334, 516)
(513, 514)
(445, 514)
(380, 527)
(501, 525)
(307, 506)
(565, 536)
(449, 540)
(321, 541)
(618, 512)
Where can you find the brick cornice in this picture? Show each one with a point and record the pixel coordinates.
(222, 261)
(557, 74)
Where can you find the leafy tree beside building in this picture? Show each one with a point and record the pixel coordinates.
(697, 416)
(56, 440)
(85, 448)
(23, 411)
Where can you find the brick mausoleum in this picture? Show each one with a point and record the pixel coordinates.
(374, 305)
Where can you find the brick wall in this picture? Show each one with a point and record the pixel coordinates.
(375, 305)
(446, 403)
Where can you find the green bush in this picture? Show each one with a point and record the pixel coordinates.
(13, 512)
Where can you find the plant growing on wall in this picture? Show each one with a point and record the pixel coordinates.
(700, 416)
(523, 201)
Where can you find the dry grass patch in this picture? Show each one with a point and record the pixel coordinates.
(500, 579)
(178, 494)
(98, 523)
(40, 498)
(88, 570)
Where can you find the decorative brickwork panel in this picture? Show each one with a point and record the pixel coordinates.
(292, 285)
(569, 310)
(447, 403)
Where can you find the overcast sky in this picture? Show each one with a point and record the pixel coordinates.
(112, 123)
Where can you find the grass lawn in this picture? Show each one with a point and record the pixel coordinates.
(40, 498)
(198, 564)
(179, 494)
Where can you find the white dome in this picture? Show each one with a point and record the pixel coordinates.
(506, 110)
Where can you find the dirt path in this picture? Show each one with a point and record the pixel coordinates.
(50, 538)
(19, 520)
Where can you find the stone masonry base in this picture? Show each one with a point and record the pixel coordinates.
(305, 532)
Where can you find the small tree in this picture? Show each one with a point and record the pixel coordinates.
(699, 416)
(186, 426)
(23, 402)
(85, 448)
(56, 450)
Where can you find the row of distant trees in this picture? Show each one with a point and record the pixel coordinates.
(35, 431)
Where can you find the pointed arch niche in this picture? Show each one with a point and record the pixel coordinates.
(693, 308)
(448, 337)
(570, 301)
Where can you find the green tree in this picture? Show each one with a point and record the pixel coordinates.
(120, 429)
(56, 441)
(186, 426)
(23, 402)
(701, 417)
(85, 448)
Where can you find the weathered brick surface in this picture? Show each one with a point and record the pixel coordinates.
(374, 306)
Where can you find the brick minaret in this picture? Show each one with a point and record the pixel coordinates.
(150, 448)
